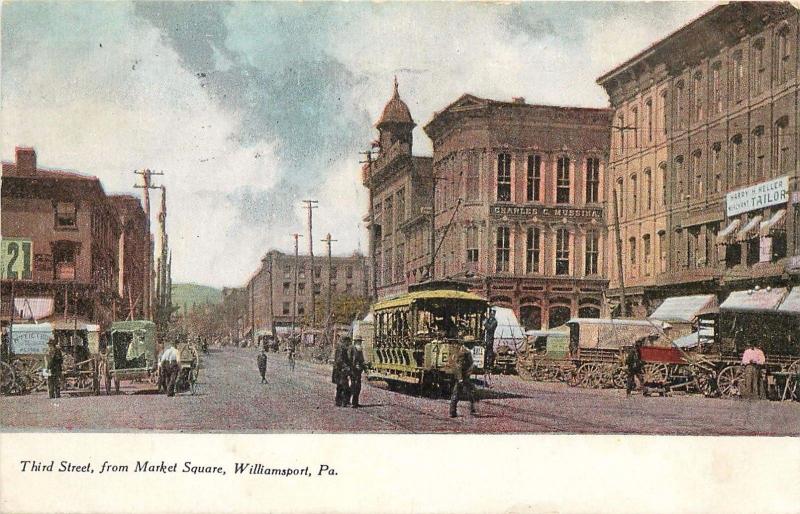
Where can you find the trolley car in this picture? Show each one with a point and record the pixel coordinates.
(417, 332)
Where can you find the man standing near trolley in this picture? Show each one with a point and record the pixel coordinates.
(462, 370)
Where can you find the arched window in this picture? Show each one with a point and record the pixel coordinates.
(562, 251)
(662, 176)
(782, 145)
(634, 188)
(697, 171)
(648, 189)
(737, 160)
(559, 314)
(620, 195)
(504, 177)
(562, 180)
(530, 316)
(680, 179)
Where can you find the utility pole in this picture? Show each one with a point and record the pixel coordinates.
(328, 295)
(163, 265)
(296, 236)
(146, 186)
(621, 274)
(271, 299)
(373, 244)
(310, 205)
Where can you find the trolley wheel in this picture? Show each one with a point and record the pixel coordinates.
(728, 381)
(7, 378)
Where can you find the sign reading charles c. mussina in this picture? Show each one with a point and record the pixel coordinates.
(553, 213)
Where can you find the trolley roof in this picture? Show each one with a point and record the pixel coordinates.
(617, 321)
(686, 308)
(441, 294)
(754, 300)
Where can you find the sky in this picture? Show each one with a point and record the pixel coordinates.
(251, 107)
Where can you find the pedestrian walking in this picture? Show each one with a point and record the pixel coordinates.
(489, 328)
(462, 369)
(635, 369)
(753, 360)
(357, 366)
(262, 365)
(170, 367)
(341, 372)
(55, 361)
(291, 352)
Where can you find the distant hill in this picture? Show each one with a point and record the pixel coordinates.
(194, 294)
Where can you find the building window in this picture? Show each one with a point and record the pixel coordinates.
(301, 308)
(287, 271)
(388, 266)
(334, 272)
(737, 160)
(759, 67)
(562, 180)
(716, 87)
(635, 115)
(697, 96)
(532, 251)
(648, 189)
(401, 206)
(287, 288)
(64, 260)
(759, 156)
(664, 111)
(680, 179)
(562, 252)
(697, 171)
(782, 145)
(649, 113)
(534, 178)
(388, 216)
(399, 262)
(662, 172)
(621, 129)
(634, 187)
(504, 177)
(317, 271)
(66, 215)
(692, 247)
(646, 253)
(348, 271)
(632, 250)
(592, 252)
(378, 271)
(678, 100)
(716, 165)
(473, 178)
(286, 308)
(301, 288)
(662, 251)
(592, 179)
(503, 250)
(737, 76)
(620, 196)
(783, 55)
(472, 244)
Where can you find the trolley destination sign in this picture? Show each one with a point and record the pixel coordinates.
(550, 213)
(765, 194)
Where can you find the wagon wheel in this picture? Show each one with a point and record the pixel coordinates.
(7, 378)
(28, 377)
(794, 367)
(655, 373)
(587, 375)
(572, 377)
(524, 371)
(704, 382)
(728, 381)
(620, 377)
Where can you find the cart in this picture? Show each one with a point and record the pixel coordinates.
(131, 354)
(24, 359)
(190, 368)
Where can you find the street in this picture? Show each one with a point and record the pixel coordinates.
(231, 398)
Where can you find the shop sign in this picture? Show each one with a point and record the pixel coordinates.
(554, 213)
(15, 258)
(759, 196)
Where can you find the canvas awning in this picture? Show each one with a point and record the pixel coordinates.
(725, 235)
(686, 308)
(754, 300)
(33, 308)
(704, 335)
(791, 304)
(776, 222)
(750, 230)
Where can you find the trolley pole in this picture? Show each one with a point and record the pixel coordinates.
(296, 236)
(310, 205)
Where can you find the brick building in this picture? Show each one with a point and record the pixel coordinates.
(134, 248)
(275, 280)
(400, 191)
(520, 204)
(704, 156)
(60, 245)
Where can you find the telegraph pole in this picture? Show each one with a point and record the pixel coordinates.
(372, 235)
(296, 236)
(310, 205)
(328, 295)
(147, 185)
(432, 264)
(271, 300)
(621, 274)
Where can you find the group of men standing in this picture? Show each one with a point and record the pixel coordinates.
(348, 365)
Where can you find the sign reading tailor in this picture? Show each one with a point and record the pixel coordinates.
(528, 211)
(765, 194)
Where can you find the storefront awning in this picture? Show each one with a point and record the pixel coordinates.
(791, 304)
(754, 300)
(776, 222)
(33, 308)
(725, 236)
(750, 230)
(686, 308)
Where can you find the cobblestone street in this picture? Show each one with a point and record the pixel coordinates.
(231, 398)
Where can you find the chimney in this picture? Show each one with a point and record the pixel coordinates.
(26, 160)
(519, 99)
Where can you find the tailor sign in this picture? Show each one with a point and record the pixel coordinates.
(765, 194)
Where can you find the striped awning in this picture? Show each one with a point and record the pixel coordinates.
(725, 235)
(776, 222)
(33, 308)
(750, 230)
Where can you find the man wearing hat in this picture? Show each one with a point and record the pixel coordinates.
(357, 366)
(341, 372)
(462, 365)
(489, 328)
(170, 367)
(54, 361)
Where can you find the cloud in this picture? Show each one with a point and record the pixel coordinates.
(250, 108)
